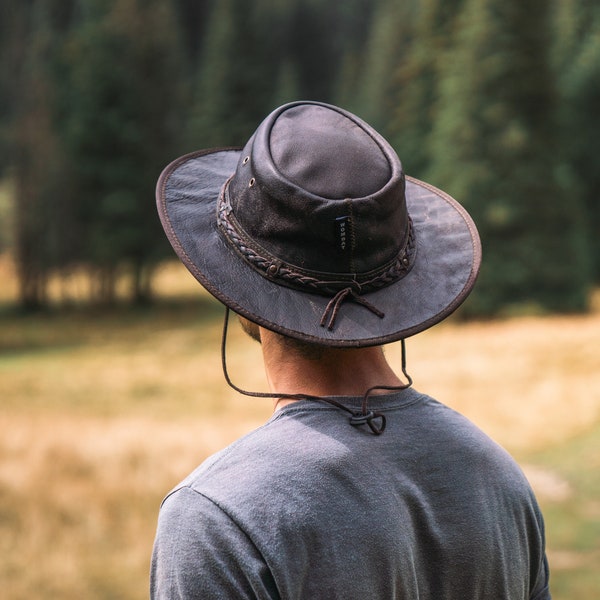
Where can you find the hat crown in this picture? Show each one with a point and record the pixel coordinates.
(327, 154)
(319, 189)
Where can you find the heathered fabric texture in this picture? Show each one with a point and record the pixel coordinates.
(308, 507)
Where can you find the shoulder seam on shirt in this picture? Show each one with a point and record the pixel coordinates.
(226, 515)
(221, 509)
(208, 499)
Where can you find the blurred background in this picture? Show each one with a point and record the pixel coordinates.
(110, 383)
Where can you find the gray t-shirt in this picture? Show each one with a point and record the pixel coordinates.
(309, 507)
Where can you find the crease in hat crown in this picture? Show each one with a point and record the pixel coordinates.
(318, 191)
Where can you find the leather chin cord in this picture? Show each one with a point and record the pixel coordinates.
(374, 420)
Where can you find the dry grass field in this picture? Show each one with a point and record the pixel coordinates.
(102, 412)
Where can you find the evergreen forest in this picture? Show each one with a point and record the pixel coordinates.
(495, 101)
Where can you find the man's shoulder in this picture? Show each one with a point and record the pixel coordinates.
(246, 461)
(453, 437)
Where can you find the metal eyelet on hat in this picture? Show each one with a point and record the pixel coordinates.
(252, 182)
(246, 159)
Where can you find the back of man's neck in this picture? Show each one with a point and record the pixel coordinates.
(337, 372)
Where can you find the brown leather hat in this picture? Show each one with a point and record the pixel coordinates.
(312, 230)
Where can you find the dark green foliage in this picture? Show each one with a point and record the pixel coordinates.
(495, 147)
(368, 85)
(192, 17)
(120, 102)
(41, 215)
(236, 78)
(261, 54)
(15, 38)
(417, 81)
(96, 96)
(578, 72)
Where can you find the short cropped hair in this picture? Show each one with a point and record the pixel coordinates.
(307, 350)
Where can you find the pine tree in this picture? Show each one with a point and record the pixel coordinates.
(257, 54)
(417, 78)
(237, 77)
(367, 83)
(578, 68)
(286, 89)
(15, 35)
(120, 123)
(192, 19)
(495, 148)
(41, 220)
(321, 38)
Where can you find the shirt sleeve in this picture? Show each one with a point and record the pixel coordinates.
(541, 588)
(199, 552)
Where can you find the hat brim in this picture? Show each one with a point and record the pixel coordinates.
(448, 256)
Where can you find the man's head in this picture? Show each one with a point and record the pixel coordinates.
(313, 231)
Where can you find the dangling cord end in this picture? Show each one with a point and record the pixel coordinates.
(376, 420)
(409, 380)
(224, 364)
(224, 354)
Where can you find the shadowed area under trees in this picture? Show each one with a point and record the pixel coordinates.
(493, 100)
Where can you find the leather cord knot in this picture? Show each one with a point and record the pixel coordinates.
(375, 421)
(333, 306)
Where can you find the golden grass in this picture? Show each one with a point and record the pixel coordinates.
(101, 413)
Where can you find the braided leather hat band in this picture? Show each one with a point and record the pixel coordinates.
(320, 282)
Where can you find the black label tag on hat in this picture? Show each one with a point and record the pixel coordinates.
(343, 234)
